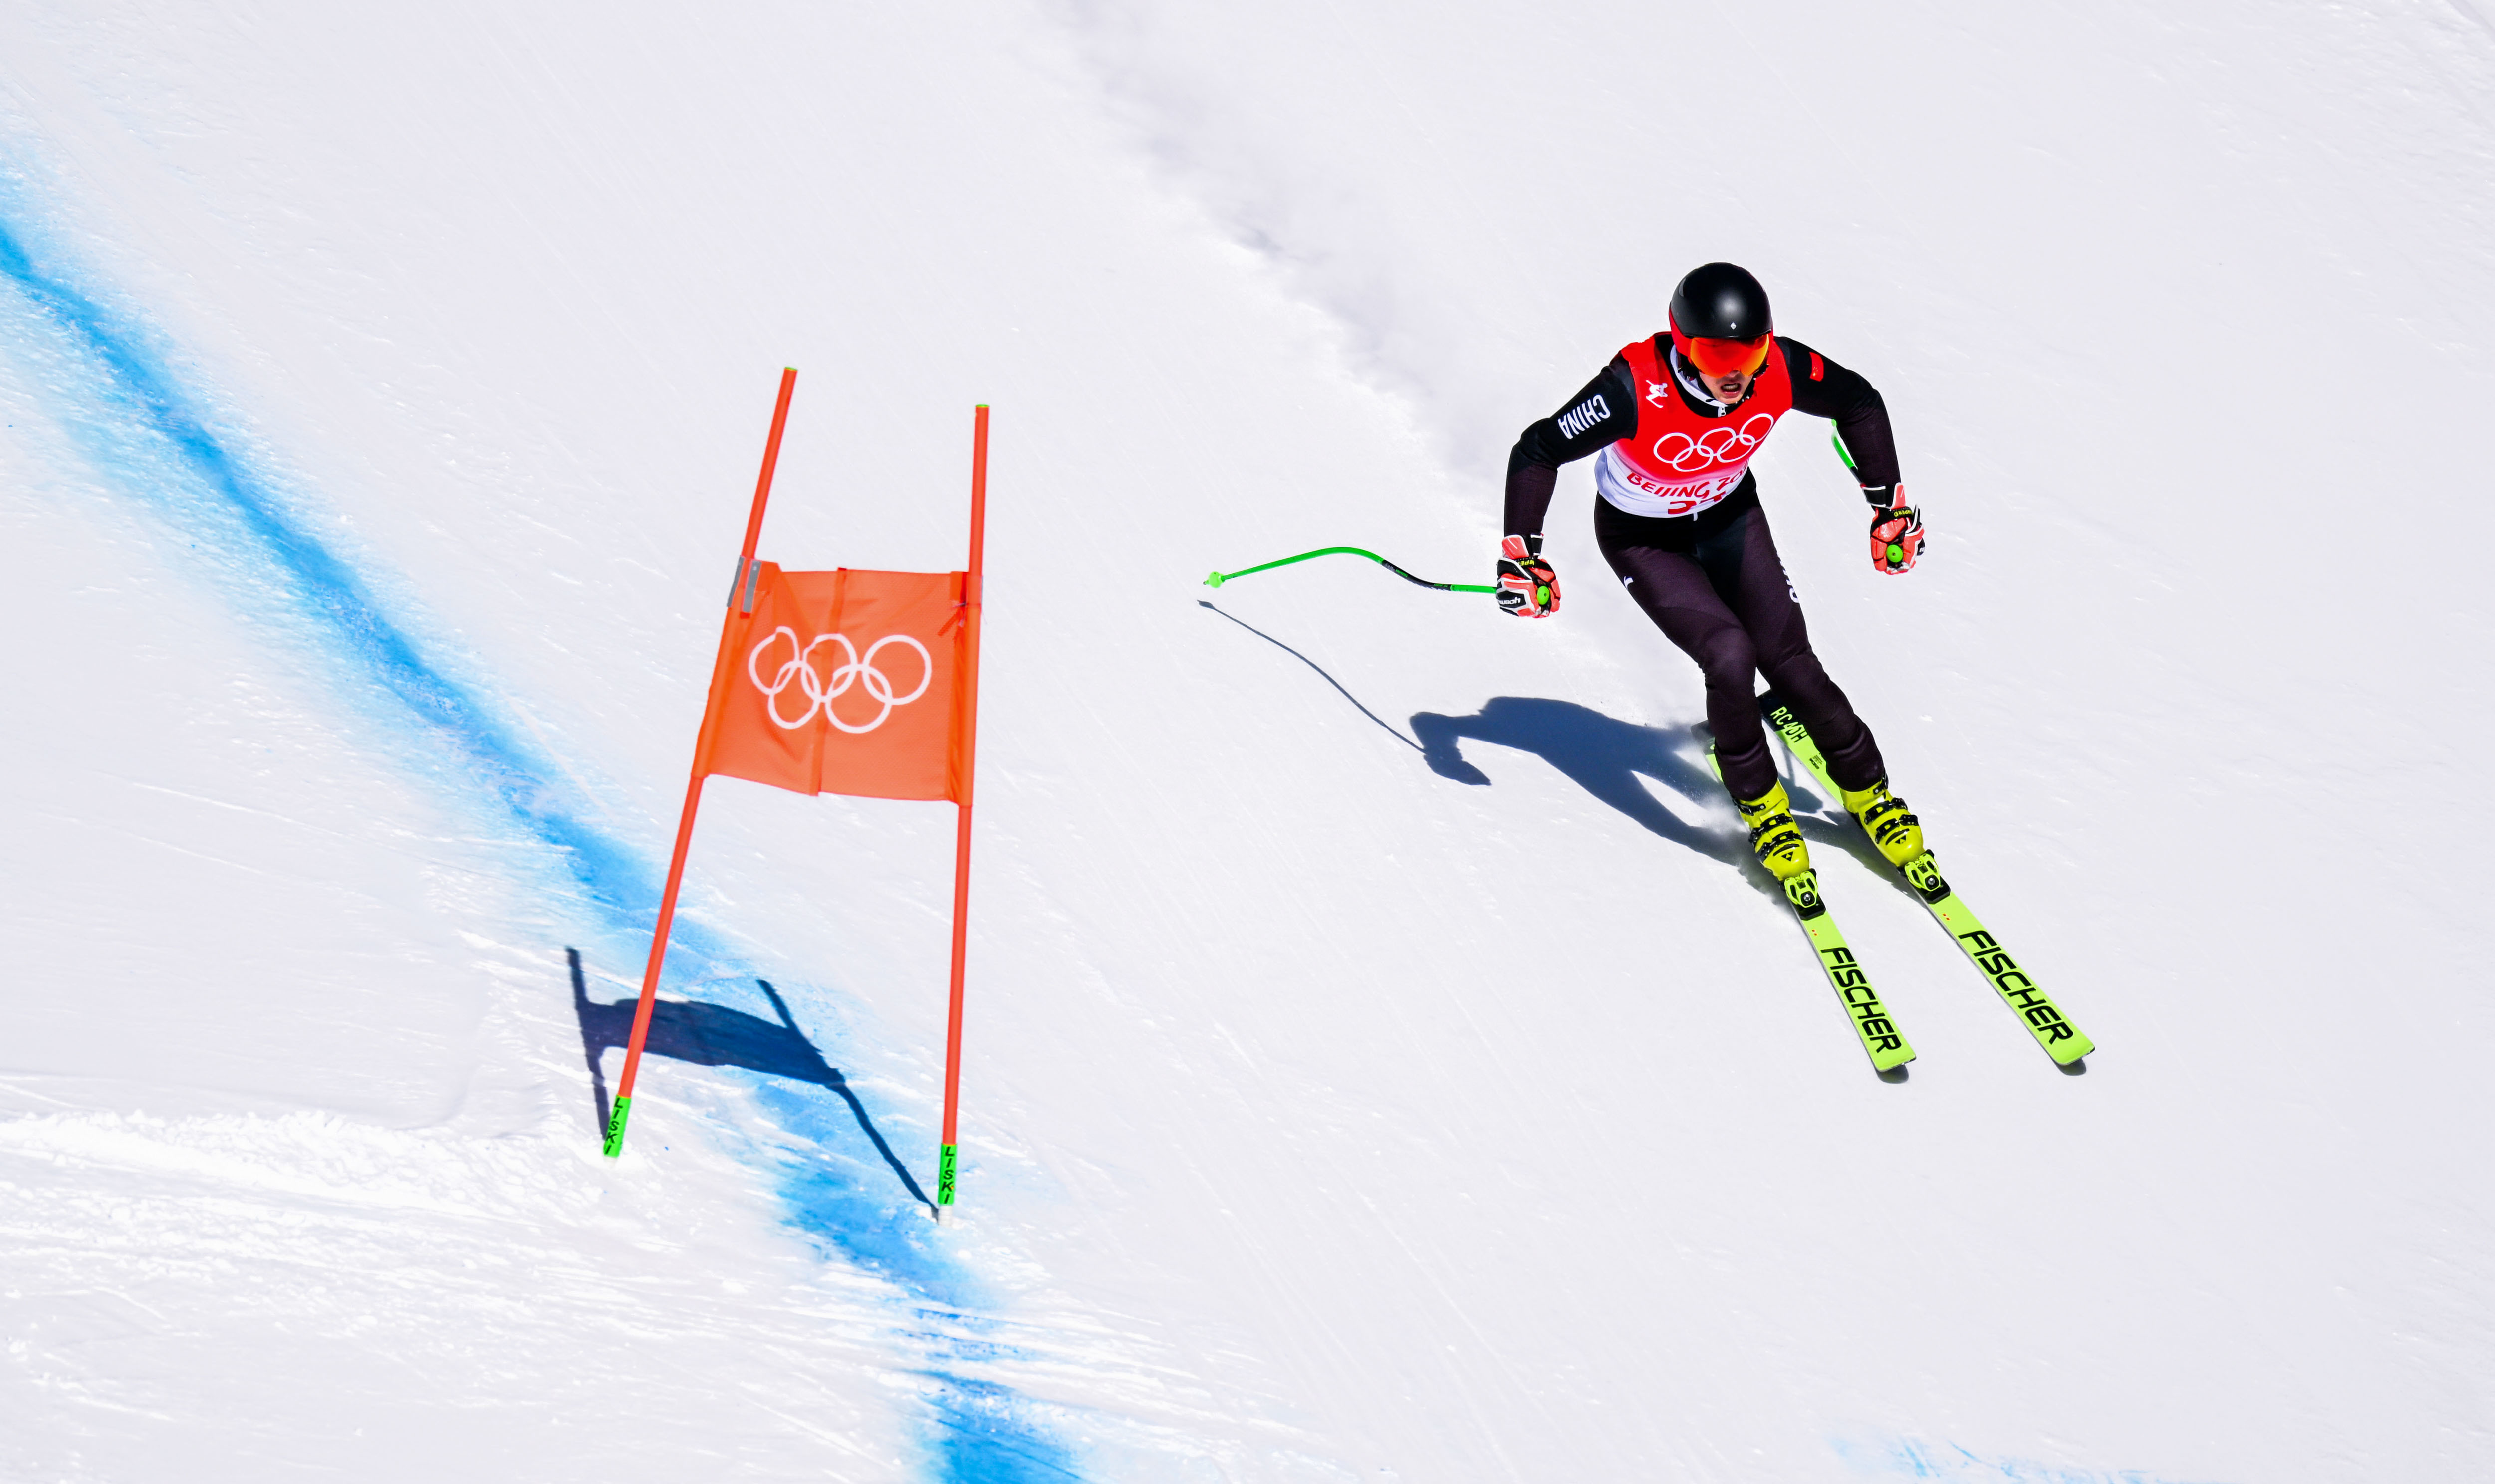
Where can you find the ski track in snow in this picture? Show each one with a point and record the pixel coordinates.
(146, 434)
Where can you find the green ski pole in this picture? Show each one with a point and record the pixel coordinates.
(1220, 578)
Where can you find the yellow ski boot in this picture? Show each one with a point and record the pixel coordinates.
(1774, 835)
(1884, 817)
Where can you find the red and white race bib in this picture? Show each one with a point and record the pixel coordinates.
(1679, 463)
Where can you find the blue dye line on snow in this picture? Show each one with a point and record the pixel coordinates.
(844, 1189)
(1910, 1458)
(981, 1434)
(328, 593)
(984, 1439)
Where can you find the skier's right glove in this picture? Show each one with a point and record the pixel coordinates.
(1897, 535)
(1526, 586)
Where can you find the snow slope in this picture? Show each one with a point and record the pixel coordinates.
(1379, 1066)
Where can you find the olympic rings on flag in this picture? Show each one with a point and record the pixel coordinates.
(859, 670)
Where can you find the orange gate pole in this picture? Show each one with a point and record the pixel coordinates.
(971, 596)
(740, 603)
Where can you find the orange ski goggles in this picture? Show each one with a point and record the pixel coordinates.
(1722, 357)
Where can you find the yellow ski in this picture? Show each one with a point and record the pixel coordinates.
(2043, 1019)
(1881, 1039)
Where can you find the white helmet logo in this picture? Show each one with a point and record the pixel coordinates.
(857, 670)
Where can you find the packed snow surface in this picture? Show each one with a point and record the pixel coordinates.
(1381, 1063)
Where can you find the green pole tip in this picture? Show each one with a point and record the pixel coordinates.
(615, 1126)
(1896, 553)
(1213, 581)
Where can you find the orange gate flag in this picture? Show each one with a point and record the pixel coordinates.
(841, 682)
(845, 682)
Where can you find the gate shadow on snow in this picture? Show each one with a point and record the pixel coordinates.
(716, 1036)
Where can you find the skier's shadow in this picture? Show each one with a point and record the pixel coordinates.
(1604, 756)
(1607, 757)
(715, 1035)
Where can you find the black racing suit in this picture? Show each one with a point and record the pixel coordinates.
(1713, 583)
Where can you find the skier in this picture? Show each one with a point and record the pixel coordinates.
(1675, 420)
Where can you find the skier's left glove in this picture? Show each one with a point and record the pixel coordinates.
(1896, 531)
(1528, 587)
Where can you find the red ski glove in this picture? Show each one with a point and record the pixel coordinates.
(1526, 586)
(1896, 538)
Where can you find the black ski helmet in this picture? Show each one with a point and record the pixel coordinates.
(1718, 301)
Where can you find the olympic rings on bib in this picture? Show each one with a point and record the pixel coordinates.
(860, 670)
(1715, 446)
